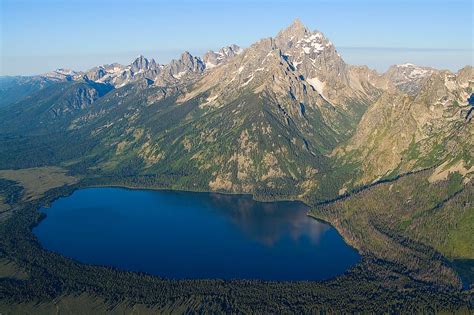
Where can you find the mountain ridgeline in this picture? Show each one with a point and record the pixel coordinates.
(284, 117)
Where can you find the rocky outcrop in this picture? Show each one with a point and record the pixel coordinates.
(214, 58)
(408, 77)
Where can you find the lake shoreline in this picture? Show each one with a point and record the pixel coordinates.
(272, 222)
(376, 275)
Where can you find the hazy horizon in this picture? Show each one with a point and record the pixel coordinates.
(37, 38)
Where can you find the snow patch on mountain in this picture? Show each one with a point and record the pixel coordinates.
(313, 43)
(179, 74)
(317, 85)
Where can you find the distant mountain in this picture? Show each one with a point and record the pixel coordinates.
(63, 74)
(286, 116)
(51, 106)
(177, 71)
(408, 77)
(13, 89)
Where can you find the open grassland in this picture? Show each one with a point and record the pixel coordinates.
(9, 269)
(36, 181)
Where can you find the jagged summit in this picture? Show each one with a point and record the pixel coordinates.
(142, 64)
(310, 55)
(290, 35)
(295, 27)
(178, 68)
(215, 58)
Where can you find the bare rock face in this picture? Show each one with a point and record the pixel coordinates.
(63, 75)
(118, 75)
(96, 73)
(288, 37)
(80, 99)
(214, 58)
(186, 64)
(322, 68)
(141, 64)
(408, 77)
(184, 70)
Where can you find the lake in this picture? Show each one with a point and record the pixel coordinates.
(184, 235)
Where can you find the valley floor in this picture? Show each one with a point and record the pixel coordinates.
(407, 265)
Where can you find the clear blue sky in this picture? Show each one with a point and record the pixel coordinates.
(41, 35)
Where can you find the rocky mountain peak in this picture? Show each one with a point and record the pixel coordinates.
(231, 50)
(316, 59)
(186, 64)
(63, 74)
(408, 77)
(142, 64)
(296, 27)
(214, 58)
(186, 56)
(191, 63)
(287, 37)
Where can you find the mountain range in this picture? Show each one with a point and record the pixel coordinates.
(386, 158)
(285, 115)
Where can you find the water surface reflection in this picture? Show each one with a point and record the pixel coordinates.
(268, 222)
(194, 235)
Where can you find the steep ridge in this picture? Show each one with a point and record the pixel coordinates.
(214, 58)
(320, 65)
(52, 106)
(402, 132)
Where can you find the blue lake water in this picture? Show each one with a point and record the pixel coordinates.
(194, 235)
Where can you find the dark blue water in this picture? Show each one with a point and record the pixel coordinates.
(194, 235)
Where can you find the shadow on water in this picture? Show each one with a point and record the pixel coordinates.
(465, 269)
